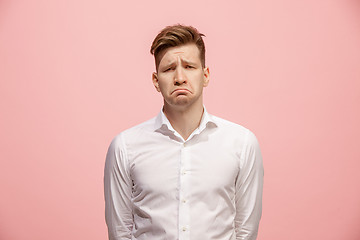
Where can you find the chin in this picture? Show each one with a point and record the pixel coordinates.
(178, 100)
(182, 103)
(179, 103)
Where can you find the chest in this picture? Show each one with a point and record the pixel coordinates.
(202, 167)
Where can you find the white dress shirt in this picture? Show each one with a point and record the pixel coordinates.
(160, 187)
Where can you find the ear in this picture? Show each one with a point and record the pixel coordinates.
(155, 81)
(206, 76)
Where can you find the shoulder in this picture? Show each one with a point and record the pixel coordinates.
(229, 125)
(133, 133)
(231, 128)
(236, 132)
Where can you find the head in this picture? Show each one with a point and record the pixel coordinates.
(181, 73)
(177, 35)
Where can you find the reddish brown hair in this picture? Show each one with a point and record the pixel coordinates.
(177, 35)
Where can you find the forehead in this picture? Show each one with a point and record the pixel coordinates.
(187, 52)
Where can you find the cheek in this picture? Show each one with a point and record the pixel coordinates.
(163, 85)
(199, 80)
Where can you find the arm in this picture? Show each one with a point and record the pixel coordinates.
(117, 190)
(249, 187)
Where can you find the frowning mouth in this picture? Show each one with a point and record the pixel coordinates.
(181, 90)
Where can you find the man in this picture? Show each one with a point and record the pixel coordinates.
(184, 174)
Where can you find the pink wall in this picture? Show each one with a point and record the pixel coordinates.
(73, 73)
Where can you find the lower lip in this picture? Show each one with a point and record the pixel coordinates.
(181, 91)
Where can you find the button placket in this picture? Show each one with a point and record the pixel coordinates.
(184, 211)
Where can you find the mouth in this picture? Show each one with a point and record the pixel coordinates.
(181, 91)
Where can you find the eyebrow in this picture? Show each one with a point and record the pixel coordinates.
(168, 65)
(174, 62)
(188, 62)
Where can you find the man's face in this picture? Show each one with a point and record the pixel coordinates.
(180, 76)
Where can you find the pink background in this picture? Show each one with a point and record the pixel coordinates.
(75, 73)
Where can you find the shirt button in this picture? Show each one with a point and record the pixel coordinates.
(183, 172)
(184, 201)
(184, 229)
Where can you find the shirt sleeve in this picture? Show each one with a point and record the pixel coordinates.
(117, 190)
(249, 187)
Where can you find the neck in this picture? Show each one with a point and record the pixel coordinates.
(184, 120)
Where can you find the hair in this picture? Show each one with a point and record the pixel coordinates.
(177, 35)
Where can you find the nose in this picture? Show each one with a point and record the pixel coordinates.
(180, 77)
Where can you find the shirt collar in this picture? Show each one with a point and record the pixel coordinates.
(162, 123)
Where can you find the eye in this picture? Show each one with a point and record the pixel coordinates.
(169, 69)
(189, 66)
